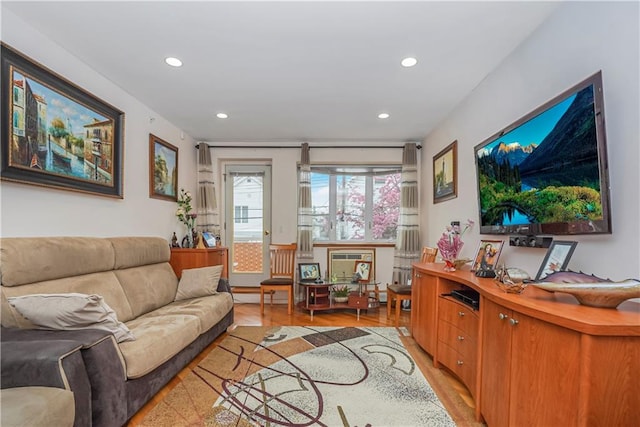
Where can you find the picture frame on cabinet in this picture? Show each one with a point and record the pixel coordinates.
(445, 173)
(163, 169)
(56, 134)
(487, 255)
(363, 271)
(557, 258)
(309, 272)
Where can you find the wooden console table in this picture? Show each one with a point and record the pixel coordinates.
(182, 259)
(537, 358)
(317, 297)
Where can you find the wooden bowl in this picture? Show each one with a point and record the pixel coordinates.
(599, 294)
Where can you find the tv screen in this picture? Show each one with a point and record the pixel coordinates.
(547, 172)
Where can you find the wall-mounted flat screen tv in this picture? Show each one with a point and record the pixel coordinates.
(547, 172)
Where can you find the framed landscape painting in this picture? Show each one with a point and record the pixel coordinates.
(55, 134)
(163, 169)
(445, 173)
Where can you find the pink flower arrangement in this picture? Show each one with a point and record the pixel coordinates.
(450, 243)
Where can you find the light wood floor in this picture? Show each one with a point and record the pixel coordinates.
(249, 315)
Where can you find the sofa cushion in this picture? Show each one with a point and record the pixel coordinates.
(148, 287)
(158, 338)
(26, 260)
(37, 406)
(105, 284)
(209, 309)
(198, 282)
(136, 251)
(71, 311)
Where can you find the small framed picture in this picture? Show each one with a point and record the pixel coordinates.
(363, 271)
(209, 239)
(487, 255)
(163, 169)
(309, 272)
(445, 173)
(557, 258)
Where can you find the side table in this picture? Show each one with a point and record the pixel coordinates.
(318, 297)
(182, 259)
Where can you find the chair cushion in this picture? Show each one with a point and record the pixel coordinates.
(277, 281)
(400, 289)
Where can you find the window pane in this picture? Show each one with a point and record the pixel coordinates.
(320, 206)
(350, 205)
(386, 206)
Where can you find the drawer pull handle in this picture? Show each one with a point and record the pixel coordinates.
(461, 313)
(460, 362)
(514, 322)
(460, 338)
(502, 316)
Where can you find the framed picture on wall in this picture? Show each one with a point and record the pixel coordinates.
(55, 134)
(163, 169)
(445, 173)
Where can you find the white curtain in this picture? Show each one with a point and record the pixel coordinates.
(207, 206)
(305, 224)
(407, 249)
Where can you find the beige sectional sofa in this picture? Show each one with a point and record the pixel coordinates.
(158, 334)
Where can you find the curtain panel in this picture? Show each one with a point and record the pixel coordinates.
(407, 250)
(207, 206)
(305, 219)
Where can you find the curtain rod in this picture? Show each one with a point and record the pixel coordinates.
(311, 146)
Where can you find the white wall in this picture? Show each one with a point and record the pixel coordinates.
(36, 211)
(579, 39)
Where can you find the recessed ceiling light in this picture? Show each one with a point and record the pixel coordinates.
(409, 62)
(383, 115)
(221, 116)
(174, 62)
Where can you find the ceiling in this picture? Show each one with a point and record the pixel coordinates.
(292, 71)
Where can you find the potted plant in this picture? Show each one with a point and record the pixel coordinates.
(341, 293)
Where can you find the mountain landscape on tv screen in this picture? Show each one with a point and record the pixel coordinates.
(554, 180)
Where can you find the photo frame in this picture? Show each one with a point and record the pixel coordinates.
(557, 258)
(309, 272)
(209, 239)
(487, 255)
(445, 173)
(56, 134)
(363, 270)
(163, 169)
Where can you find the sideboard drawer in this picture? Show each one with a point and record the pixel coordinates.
(461, 315)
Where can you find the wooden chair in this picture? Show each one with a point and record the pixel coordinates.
(399, 293)
(282, 261)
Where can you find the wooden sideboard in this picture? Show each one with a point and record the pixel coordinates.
(535, 359)
(182, 259)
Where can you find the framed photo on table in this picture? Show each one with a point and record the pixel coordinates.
(209, 239)
(557, 258)
(487, 255)
(445, 173)
(309, 272)
(363, 271)
(55, 134)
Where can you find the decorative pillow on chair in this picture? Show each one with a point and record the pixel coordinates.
(71, 311)
(198, 282)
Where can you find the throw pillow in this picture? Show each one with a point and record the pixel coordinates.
(71, 311)
(198, 282)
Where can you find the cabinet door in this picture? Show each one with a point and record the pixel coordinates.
(496, 363)
(545, 373)
(423, 311)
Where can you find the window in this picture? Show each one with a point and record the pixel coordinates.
(241, 214)
(355, 203)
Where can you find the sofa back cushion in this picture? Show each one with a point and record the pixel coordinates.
(26, 260)
(148, 287)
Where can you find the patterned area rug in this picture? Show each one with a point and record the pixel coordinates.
(304, 376)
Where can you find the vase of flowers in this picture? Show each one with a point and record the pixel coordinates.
(184, 215)
(450, 244)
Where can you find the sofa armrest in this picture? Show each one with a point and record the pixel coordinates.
(223, 285)
(28, 360)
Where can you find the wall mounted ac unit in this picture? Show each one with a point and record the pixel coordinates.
(342, 261)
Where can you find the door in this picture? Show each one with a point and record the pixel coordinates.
(248, 222)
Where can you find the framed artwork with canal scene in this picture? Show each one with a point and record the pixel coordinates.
(55, 134)
(163, 169)
(445, 173)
